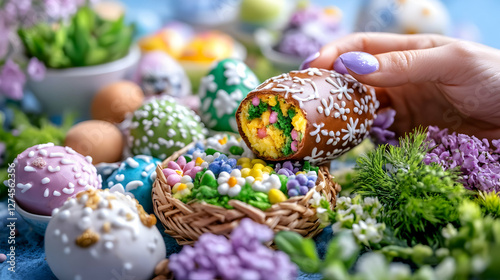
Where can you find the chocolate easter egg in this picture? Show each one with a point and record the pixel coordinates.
(313, 114)
(221, 92)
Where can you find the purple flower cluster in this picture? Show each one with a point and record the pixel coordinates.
(478, 161)
(287, 168)
(222, 163)
(379, 131)
(300, 184)
(242, 257)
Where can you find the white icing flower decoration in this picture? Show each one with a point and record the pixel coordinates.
(268, 182)
(226, 103)
(234, 72)
(183, 188)
(230, 184)
(202, 159)
(251, 81)
(207, 84)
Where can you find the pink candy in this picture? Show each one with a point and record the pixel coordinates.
(294, 134)
(273, 117)
(261, 132)
(294, 146)
(255, 101)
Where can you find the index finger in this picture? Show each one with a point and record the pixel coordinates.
(376, 43)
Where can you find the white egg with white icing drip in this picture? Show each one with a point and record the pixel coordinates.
(103, 235)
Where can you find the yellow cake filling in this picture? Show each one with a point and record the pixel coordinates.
(274, 127)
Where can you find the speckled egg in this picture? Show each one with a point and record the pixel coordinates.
(103, 235)
(47, 175)
(135, 176)
(221, 92)
(101, 140)
(407, 17)
(162, 126)
(114, 101)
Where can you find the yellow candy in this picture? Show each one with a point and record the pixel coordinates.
(256, 173)
(223, 140)
(258, 166)
(246, 165)
(256, 160)
(300, 172)
(276, 196)
(243, 160)
(245, 172)
(199, 161)
(268, 169)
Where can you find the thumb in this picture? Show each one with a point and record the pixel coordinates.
(400, 67)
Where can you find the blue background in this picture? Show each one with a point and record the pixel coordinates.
(482, 13)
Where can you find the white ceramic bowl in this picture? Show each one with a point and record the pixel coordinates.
(37, 222)
(73, 89)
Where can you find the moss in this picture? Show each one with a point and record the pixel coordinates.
(257, 111)
(287, 148)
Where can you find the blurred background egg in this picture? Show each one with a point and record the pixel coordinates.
(115, 100)
(159, 74)
(171, 39)
(221, 92)
(101, 140)
(406, 17)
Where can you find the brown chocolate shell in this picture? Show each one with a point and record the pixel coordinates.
(339, 112)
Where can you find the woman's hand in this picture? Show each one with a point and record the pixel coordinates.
(427, 79)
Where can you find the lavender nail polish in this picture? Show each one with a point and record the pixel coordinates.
(339, 66)
(307, 62)
(360, 62)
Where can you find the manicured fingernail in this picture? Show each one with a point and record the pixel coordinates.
(360, 62)
(307, 62)
(339, 66)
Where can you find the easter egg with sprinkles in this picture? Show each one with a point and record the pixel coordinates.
(162, 126)
(135, 176)
(101, 235)
(47, 175)
(221, 92)
(313, 114)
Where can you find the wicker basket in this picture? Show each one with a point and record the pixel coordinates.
(186, 222)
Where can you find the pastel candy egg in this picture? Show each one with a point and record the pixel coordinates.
(136, 176)
(47, 175)
(221, 92)
(103, 235)
(162, 126)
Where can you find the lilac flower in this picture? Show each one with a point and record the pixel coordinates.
(287, 169)
(12, 80)
(478, 162)
(36, 69)
(379, 131)
(244, 257)
(60, 9)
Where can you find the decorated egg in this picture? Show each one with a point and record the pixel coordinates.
(162, 126)
(221, 92)
(172, 39)
(407, 17)
(135, 176)
(101, 140)
(114, 101)
(47, 175)
(160, 74)
(103, 235)
(208, 46)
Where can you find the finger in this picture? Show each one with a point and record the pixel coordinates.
(402, 67)
(376, 43)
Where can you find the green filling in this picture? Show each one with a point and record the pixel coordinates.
(285, 125)
(257, 111)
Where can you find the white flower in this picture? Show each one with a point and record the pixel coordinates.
(268, 182)
(230, 184)
(399, 271)
(183, 187)
(207, 84)
(449, 231)
(315, 199)
(343, 202)
(368, 231)
(234, 72)
(226, 102)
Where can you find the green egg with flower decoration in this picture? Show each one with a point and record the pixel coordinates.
(221, 92)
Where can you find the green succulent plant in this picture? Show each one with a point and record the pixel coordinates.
(84, 40)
